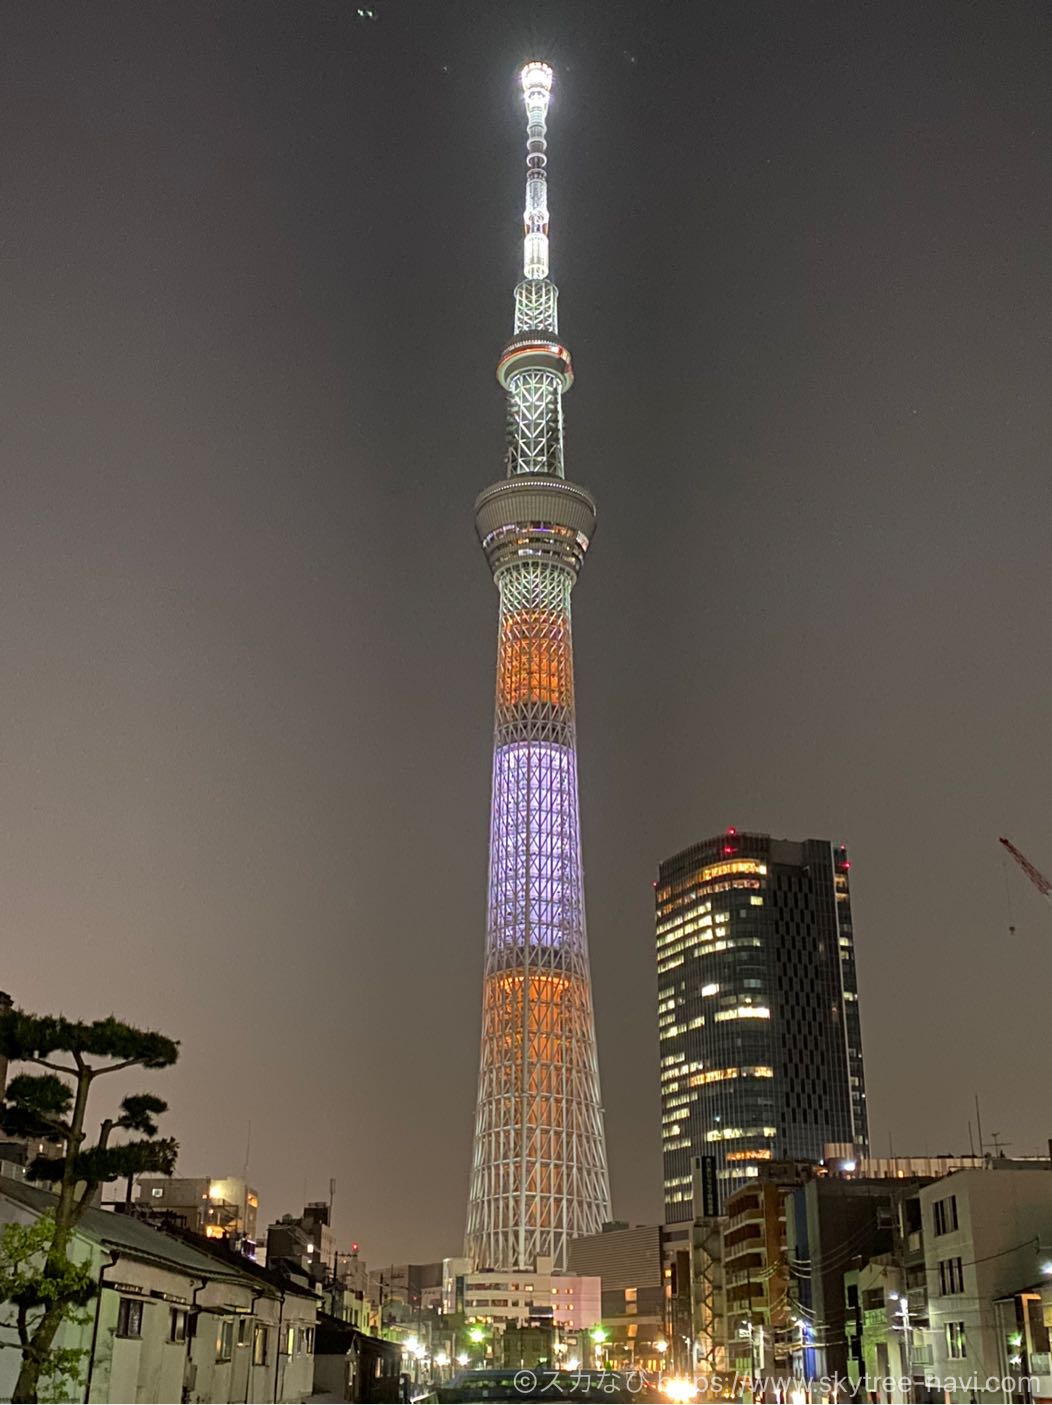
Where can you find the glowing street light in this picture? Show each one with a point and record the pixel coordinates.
(679, 1389)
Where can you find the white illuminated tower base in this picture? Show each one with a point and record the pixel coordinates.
(539, 1176)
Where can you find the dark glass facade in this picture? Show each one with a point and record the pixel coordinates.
(758, 1020)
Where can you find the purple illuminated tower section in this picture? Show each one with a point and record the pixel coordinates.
(539, 1176)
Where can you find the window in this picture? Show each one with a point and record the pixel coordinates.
(177, 1325)
(951, 1276)
(955, 1345)
(945, 1214)
(244, 1330)
(157, 1192)
(307, 1341)
(225, 1340)
(259, 1346)
(129, 1317)
(288, 1341)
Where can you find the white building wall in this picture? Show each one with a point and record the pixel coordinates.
(151, 1367)
(1004, 1221)
(148, 1367)
(71, 1335)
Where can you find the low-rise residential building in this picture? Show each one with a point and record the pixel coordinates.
(834, 1225)
(987, 1234)
(171, 1321)
(886, 1311)
(875, 1327)
(757, 1322)
(351, 1365)
(1024, 1320)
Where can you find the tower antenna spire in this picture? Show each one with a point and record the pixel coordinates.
(537, 89)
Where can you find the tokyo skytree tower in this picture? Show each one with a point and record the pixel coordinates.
(539, 1176)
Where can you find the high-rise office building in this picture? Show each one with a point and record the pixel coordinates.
(759, 1032)
(539, 1176)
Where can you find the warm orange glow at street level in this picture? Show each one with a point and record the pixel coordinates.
(535, 659)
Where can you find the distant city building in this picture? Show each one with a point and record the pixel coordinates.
(306, 1240)
(645, 1275)
(522, 1296)
(307, 1244)
(405, 1291)
(219, 1207)
(758, 1019)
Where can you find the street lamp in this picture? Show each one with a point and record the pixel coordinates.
(598, 1335)
(903, 1312)
(477, 1337)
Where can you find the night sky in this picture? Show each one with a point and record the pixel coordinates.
(257, 264)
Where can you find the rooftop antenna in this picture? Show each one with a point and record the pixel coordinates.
(979, 1126)
(1008, 893)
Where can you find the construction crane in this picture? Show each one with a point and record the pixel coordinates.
(1040, 882)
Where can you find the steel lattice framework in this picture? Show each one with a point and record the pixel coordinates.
(539, 1176)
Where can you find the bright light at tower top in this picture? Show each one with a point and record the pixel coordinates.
(536, 75)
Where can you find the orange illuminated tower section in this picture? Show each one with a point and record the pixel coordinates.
(539, 1176)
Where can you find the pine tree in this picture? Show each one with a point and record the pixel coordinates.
(54, 1106)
